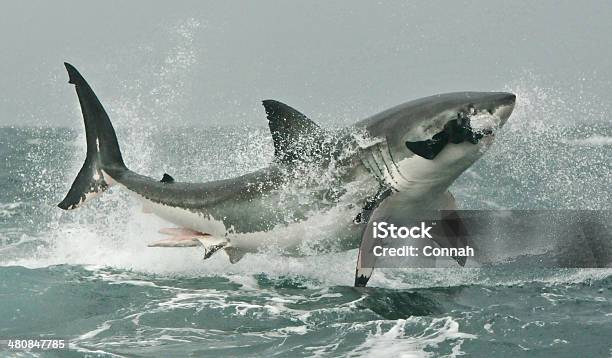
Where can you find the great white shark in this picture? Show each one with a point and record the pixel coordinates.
(398, 163)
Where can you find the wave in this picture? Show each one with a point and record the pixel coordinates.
(401, 339)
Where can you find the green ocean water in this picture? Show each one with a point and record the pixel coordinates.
(87, 275)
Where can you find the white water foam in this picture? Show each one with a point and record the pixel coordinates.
(397, 342)
(594, 140)
(7, 210)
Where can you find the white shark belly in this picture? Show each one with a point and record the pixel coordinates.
(184, 218)
(207, 224)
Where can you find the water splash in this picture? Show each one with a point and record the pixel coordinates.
(536, 162)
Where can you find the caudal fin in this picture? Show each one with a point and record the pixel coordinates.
(103, 159)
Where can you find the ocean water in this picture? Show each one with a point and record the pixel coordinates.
(87, 275)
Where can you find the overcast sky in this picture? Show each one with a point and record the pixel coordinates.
(211, 63)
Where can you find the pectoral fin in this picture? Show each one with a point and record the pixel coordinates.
(362, 274)
(395, 208)
(364, 269)
(455, 233)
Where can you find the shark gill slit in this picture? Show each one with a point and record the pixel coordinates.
(399, 172)
(366, 158)
(394, 183)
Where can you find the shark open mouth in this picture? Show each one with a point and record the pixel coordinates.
(455, 131)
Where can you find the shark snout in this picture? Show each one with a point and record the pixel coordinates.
(504, 105)
(507, 98)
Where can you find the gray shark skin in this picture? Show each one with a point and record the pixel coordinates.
(399, 161)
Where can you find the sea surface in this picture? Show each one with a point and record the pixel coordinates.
(88, 277)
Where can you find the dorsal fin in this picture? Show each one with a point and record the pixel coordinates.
(167, 178)
(295, 136)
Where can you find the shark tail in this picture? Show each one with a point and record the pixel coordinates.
(103, 161)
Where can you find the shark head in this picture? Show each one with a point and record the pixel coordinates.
(427, 143)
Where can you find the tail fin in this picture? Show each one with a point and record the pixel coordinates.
(103, 152)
